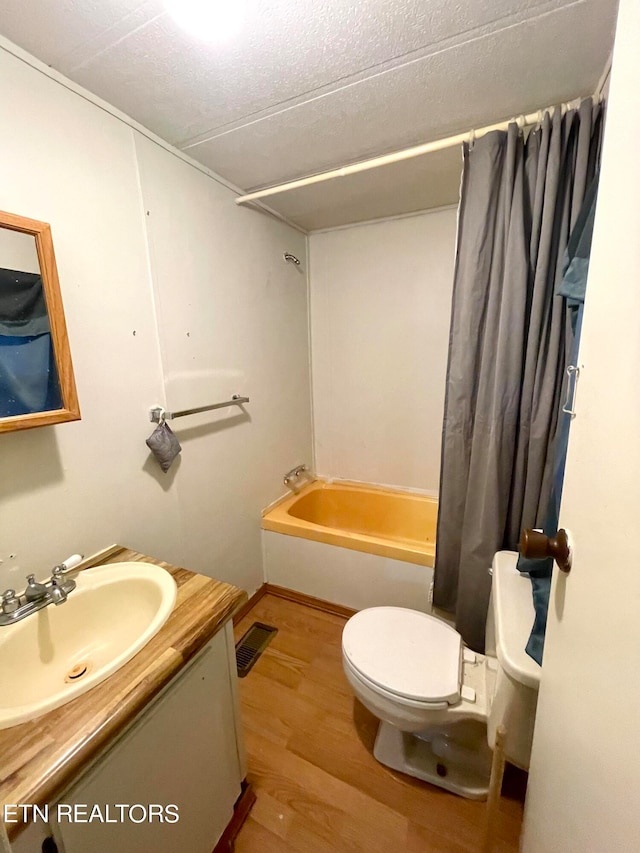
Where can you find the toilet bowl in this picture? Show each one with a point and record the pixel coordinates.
(436, 699)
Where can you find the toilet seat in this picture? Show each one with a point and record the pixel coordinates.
(415, 704)
(405, 654)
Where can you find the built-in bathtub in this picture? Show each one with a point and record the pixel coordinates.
(352, 544)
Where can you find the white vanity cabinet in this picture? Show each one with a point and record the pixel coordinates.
(184, 749)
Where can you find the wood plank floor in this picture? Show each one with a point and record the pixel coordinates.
(309, 751)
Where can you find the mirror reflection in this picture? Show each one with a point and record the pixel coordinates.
(29, 379)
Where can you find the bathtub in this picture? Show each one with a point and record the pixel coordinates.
(352, 544)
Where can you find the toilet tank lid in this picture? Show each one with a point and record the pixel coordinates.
(405, 652)
(514, 614)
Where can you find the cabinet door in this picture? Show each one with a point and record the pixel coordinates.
(30, 839)
(181, 751)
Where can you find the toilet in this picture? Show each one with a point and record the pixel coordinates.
(439, 703)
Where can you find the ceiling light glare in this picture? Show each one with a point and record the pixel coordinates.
(209, 20)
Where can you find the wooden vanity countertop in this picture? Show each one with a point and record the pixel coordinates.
(40, 758)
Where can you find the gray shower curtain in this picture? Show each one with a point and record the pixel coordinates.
(508, 348)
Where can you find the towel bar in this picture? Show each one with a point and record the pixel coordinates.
(157, 413)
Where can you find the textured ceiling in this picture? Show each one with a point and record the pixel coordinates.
(309, 85)
(410, 185)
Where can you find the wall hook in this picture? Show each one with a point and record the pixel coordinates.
(291, 259)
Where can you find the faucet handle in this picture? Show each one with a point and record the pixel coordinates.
(57, 576)
(68, 565)
(10, 602)
(60, 585)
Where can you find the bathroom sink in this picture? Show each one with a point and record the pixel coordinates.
(60, 652)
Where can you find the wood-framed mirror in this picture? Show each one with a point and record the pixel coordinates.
(37, 386)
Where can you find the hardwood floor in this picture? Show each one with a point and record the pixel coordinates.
(309, 750)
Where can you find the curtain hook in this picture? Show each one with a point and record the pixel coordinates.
(540, 118)
(472, 137)
(521, 122)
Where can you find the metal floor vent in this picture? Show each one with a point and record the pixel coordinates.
(251, 646)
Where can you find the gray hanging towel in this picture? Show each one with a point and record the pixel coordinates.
(164, 445)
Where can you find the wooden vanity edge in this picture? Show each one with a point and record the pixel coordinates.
(132, 688)
(249, 603)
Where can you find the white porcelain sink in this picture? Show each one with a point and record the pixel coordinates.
(60, 652)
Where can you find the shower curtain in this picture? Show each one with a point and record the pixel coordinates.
(508, 347)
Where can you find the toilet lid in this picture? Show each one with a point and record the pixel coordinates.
(405, 652)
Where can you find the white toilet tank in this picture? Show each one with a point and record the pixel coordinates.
(509, 624)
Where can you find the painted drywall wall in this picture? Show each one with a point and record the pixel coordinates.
(130, 309)
(380, 309)
(233, 320)
(585, 773)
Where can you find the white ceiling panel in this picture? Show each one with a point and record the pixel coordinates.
(287, 50)
(307, 85)
(517, 70)
(404, 187)
(51, 29)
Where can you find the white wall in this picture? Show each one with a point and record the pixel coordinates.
(380, 309)
(232, 319)
(210, 270)
(585, 774)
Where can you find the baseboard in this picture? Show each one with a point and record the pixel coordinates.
(242, 611)
(295, 596)
(241, 810)
(308, 600)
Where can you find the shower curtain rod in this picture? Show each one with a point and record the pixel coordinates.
(397, 156)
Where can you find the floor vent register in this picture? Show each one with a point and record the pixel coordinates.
(251, 645)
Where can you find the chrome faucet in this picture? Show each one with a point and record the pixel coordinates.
(36, 595)
(34, 591)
